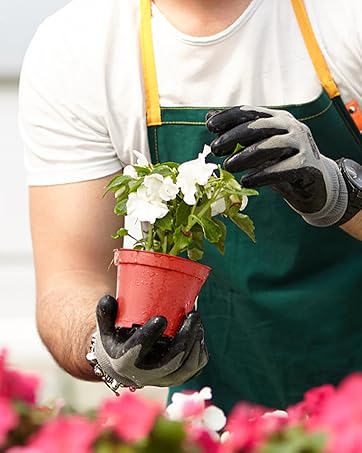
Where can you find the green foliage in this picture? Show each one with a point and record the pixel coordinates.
(294, 440)
(166, 436)
(185, 228)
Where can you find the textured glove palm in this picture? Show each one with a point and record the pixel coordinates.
(142, 356)
(280, 151)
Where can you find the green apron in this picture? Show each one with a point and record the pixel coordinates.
(285, 314)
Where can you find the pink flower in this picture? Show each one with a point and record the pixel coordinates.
(192, 408)
(204, 439)
(72, 434)
(23, 450)
(340, 416)
(15, 385)
(131, 417)
(8, 419)
(311, 405)
(250, 425)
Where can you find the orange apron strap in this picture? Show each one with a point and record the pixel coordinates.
(153, 110)
(314, 50)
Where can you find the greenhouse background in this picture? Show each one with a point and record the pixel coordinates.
(18, 22)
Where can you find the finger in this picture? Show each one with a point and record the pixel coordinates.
(267, 178)
(147, 335)
(106, 313)
(211, 113)
(244, 136)
(224, 120)
(255, 156)
(190, 332)
(191, 367)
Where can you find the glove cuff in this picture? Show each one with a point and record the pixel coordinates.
(337, 197)
(101, 364)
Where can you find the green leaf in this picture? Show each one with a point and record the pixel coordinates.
(120, 233)
(211, 229)
(121, 196)
(238, 148)
(181, 241)
(116, 182)
(108, 442)
(121, 207)
(195, 253)
(239, 192)
(142, 170)
(167, 436)
(134, 184)
(169, 164)
(163, 169)
(245, 224)
(249, 192)
(182, 214)
(164, 224)
(112, 447)
(220, 245)
(226, 175)
(295, 440)
(233, 210)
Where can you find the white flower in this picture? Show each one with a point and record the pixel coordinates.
(169, 189)
(129, 170)
(244, 203)
(277, 413)
(225, 436)
(141, 158)
(218, 207)
(144, 208)
(191, 407)
(159, 187)
(214, 418)
(194, 172)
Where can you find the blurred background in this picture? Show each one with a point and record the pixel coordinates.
(18, 22)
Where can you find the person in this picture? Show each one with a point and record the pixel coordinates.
(103, 78)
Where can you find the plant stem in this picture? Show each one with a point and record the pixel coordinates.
(164, 244)
(191, 223)
(149, 242)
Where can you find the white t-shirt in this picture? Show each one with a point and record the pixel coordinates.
(82, 109)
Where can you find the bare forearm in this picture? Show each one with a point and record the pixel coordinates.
(354, 227)
(66, 319)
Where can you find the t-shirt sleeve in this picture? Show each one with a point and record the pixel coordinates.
(62, 112)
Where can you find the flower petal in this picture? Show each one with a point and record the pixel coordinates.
(206, 151)
(168, 190)
(141, 158)
(129, 170)
(214, 418)
(244, 203)
(144, 210)
(206, 393)
(218, 207)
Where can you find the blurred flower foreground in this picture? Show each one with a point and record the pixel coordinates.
(328, 420)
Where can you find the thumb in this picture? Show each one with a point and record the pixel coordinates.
(106, 313)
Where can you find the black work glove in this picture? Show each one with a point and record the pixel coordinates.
(143, 356)
(279, 151)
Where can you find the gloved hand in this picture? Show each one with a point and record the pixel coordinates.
(279, 151)
(143, 356)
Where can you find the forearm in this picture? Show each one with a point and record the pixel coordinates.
(66, 318)
(354, 226)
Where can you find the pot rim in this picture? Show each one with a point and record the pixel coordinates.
(178, 263)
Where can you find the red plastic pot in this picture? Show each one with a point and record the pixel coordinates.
(155, 284)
